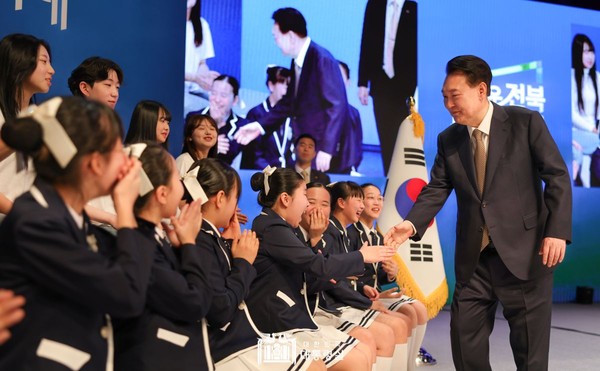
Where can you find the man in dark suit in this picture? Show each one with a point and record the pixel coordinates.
(304, 148)
(514, 217)
(387, 68)
(316, 99)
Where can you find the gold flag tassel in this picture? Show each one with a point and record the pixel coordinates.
(419, 124)
(434, 302)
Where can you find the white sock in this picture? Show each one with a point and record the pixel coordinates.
(399, 360)
(418, 339)
(383, 363)
(413, 349)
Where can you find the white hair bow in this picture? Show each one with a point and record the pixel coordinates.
(191, 183)
(136, 150)
(268, 171)
(54, 135)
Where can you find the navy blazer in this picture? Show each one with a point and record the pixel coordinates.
(370, 68)
(232, 124)
(350, 152)
(342, 293)
(321, 106)
(230, 278)
(374, 275)
(168, 335)
(518, 211)
(272, 149)
(316, 285)
(279, 295)
(71, 279)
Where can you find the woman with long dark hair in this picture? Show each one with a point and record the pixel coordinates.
(25, 70)
(149, 122)
(584, 107)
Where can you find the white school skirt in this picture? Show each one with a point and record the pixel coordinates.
(347, 320)
(393, 303)
(291, 351)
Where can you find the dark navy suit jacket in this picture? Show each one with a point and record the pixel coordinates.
(279, 296)
(320, 107)
(230, 278)
(350, 151)
(374, 275)
(168, 335)
(71, 278)
(517, 208)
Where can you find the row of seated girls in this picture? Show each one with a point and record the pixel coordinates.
(184, 290)
(179, 286)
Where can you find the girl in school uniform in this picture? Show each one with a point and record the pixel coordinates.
(233, 335)
(149, 122)
(415, 313)
(199, 141)
(338, 303)
(169, 333)
(279, 300)
(72, 274)
(26, 71)
(233, 252)
(346, 207)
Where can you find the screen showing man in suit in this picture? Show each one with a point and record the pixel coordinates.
(316, 100)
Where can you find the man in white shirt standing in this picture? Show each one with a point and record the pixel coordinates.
(387, 69)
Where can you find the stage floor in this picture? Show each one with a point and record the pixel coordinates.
(574, 341)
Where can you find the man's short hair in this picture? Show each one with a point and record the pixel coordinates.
(474, 68)
(290, 19)
(91, 70)
(277, 74)
(305, 135)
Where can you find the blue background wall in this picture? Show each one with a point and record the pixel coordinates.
(145, 37)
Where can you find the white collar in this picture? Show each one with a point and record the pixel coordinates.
(486, 123)
(367, 228)
(304, 233)
(300, 170)
(399, 2)
(299, 60)
(77, 218)
(215, 229)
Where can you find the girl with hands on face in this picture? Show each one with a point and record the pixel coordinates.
(315, 218)
(167, 335)
(73, 275)
(244, 244)
(233, 253)
(282, 299)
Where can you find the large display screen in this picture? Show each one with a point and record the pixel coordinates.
(527, 44)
